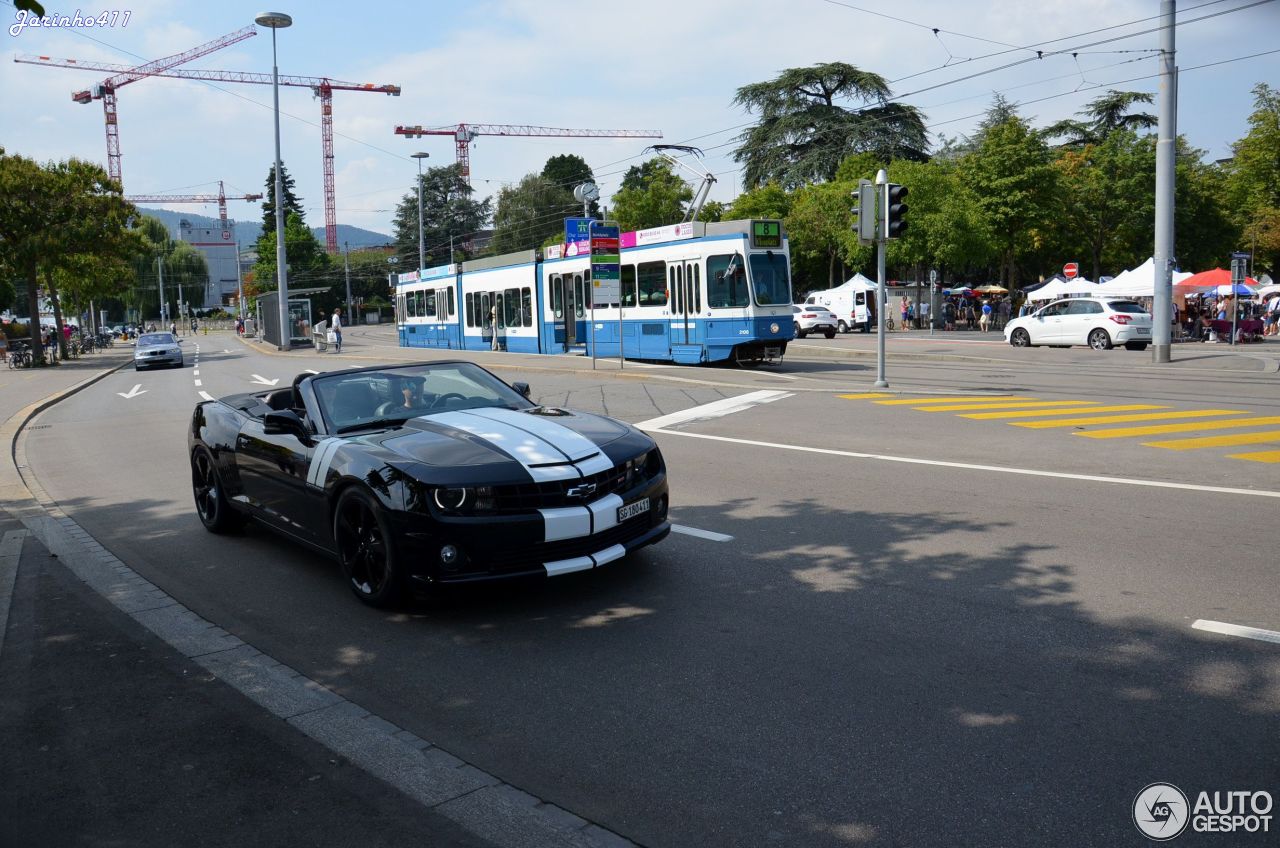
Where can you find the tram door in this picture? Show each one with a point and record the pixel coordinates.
(684, 280)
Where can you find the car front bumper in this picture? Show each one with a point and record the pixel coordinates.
(158, 359)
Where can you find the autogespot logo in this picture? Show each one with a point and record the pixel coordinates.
(1160, 811)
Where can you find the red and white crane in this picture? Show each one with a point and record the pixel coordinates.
(123, 75)
(321, 87)
(220, 198)
(464, 134)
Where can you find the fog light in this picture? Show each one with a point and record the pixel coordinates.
(449, 555)
(662, 508)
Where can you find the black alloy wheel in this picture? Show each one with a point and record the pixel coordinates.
(1020, 338)
(211, 502)
(364, 549)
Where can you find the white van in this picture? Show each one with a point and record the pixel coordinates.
(850, 303)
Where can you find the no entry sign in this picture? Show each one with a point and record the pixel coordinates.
(1071, 270)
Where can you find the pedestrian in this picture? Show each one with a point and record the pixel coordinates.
(493, 327)
(1006, 311)
(984, 323)
(924, 314)
(1273, 312)
(905, 309)
(173, 327)
(335, 326)
(194, 325)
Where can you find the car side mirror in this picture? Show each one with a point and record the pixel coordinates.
(522, 388)
(285, 422)
(179, 341)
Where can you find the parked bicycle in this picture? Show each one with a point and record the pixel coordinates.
(19, 355)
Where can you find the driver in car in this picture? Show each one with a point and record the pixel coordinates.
(411, 391)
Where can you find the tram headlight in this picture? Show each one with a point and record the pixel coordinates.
(773, 328)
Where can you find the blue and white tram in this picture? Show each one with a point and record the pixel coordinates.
(691, 293)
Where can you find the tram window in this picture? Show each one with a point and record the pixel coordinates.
(557, 297)
(769, 273)
(429, 300)
(411, 301)
(722, 291)
(651, 281)
(696, 285)
(579, 297)
(469, 306)
(526, 306)
(452, 308)
(511, 304)
(421, 298)
(628, 285)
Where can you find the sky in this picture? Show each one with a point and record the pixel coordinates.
(661, 65)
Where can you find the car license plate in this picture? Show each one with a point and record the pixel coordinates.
(632, 509)
(1143, 331)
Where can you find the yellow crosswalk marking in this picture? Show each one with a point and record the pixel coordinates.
(1022, 404)
(969, 398)
(1188, 427)
(1260, 456)
(865, 396)
(1217, 441)
(1124, 419)
(1035, 413)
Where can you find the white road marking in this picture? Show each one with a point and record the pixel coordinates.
(709, 535)
(199, 383)
(195, 373)
(716, 409)
(206, 396)
(1030, 472)
(134, 392)
(258, 378)
(1237, 630)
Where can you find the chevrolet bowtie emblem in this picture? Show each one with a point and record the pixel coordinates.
(581, 491)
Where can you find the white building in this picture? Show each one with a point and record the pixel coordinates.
(218, 244)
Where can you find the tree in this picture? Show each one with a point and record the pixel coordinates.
(292, 203)
(820, 227)
(308, 262)
(569, 171)
(803, 133)
(1104, 115)
(450, 215)
(947, 231)
(766, 201)
(1015, 186)
(530, 213)
(53, 217)
(1254, 178)
(657, 198)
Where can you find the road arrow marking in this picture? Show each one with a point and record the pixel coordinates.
(134, 392)
(259, 379)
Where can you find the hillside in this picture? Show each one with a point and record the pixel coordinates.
(247, 231)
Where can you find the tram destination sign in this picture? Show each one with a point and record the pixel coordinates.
(606, 263)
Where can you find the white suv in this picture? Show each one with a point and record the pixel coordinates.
(1097, 322)
(811, 318)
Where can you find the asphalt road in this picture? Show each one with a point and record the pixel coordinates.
(886, 652)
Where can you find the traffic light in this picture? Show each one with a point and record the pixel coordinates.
(865, 213)
(895, 211)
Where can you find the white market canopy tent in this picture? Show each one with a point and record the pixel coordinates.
(858, 283)
(1137, 282)
(1058, 287)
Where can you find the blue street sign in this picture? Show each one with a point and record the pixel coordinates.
(577, 229)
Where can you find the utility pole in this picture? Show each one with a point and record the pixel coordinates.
(164, 307)
(346, 264)
(1162, 304)
(882, 204)
(239, 284)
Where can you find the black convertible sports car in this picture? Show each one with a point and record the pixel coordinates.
(421, 475)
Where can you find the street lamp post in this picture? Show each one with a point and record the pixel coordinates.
(422, 256)
(275, 21)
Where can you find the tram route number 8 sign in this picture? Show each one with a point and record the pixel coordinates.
(606, 262)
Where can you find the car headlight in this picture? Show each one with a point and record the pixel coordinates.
(461, 499)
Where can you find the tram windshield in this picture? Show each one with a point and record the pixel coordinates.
(770, 278)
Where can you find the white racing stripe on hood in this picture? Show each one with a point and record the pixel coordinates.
(585, 453)
(531, 447)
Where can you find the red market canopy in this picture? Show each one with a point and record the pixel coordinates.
(1211, 280)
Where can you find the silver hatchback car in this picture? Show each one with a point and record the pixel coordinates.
(157, 349)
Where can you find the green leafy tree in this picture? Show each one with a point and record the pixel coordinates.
(292, 203)
(656, 199)
(712, 211)
(450, 215)
(309, 265)
(530, 213)
(1015, 184)
(820, 227)
(1254, 179)
(766, 201)
(804, 132)
(569, 171)
(946, 230)
(1103, 116)
(1206, 232)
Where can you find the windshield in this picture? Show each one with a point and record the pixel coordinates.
(387, 396)
(156, 339)
(1127, 306)
(770, 278)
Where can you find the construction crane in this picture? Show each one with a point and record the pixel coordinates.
(321, 87)
(106, 90)
(220, 198)
(464, 134)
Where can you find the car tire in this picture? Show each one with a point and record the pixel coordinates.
(800, 334)
(831, 334)
(1135, 345)
(366, 551)
(1020, 338)
(215, 511)
(1099, 339)
(842, 327)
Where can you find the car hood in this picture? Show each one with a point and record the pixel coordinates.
(538, 438)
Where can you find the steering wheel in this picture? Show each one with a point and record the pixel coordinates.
(387, 408)
(439, 401)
